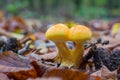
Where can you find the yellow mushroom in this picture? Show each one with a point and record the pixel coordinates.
(60, 33)
(115, 28)
(79, 34)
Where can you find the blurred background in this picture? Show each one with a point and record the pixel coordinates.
(62, 10)
(39, 15)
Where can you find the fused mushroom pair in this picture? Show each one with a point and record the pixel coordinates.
(60, 33)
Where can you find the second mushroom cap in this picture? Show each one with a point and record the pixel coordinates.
(79, 33)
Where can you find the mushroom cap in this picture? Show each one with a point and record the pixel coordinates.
(58, 32)
(80, 33)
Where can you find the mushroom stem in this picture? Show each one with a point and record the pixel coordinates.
(63, 49)
(77, 54)
(64, 53)
(70, 57)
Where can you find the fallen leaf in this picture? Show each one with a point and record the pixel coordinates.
(17, 68)
(3, 76)
(66, 74)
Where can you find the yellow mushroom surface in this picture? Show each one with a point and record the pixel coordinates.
(115, 28)
(79, 33)
(57, 32)
(60, 33)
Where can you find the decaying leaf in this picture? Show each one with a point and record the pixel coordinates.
(94, 78)
(17, 68)
(22, 75)
(10, 58)
(108, 74)
(35, 72)
(66, 74)
(3, 76)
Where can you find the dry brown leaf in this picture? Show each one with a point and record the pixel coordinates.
(66, 74)
(95, 78)
(50, 55)
(22, 75)
(3, 76)
(10, 58)
(108, 74)
(25, 74)
(18, 68)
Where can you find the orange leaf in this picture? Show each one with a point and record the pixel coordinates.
(66, 74)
